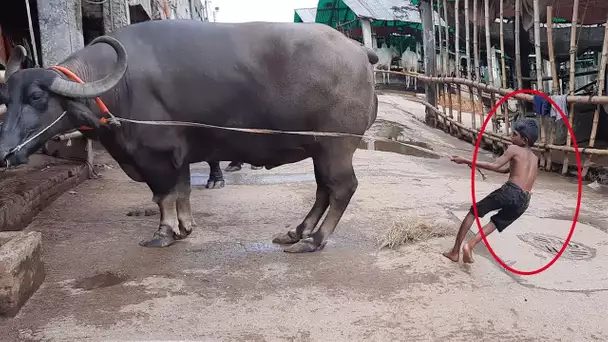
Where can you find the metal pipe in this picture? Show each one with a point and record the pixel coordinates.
(32, 37)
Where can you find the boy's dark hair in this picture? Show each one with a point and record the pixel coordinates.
(528, 128)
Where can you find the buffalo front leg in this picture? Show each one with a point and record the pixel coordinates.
(304, 229)
(337, 175)
(167, 186)
(216, 178)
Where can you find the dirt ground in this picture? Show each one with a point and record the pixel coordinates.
(228, 282)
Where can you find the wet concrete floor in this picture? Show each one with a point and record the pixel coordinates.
(227, 282)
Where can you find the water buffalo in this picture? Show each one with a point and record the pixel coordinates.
(281, 76)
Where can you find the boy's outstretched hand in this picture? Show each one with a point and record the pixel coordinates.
(459, 160)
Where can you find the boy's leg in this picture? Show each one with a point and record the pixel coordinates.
(467, 249)
(462, 233)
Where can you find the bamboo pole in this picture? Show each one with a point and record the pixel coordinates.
(600, 90)
(469, 68)
(476, 56)
(552, 125)
(457, 51)
(441, 60)
(539, 76)
(518, 50)
(571, 82)
(447, 89)
(503, 67)
(486, 5)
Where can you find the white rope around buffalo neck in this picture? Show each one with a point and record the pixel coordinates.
(28, 140)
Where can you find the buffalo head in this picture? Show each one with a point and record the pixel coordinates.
(37, 97)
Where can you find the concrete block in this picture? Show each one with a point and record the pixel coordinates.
(21, 269)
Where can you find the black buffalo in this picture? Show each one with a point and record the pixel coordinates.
(281, 76)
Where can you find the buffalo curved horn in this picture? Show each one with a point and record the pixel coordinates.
(14, 62)
(95, 88)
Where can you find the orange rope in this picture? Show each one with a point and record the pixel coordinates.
(100, 103)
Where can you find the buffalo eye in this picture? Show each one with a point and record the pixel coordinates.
(38, 100)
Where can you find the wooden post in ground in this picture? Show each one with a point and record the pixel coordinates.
(518, 52)
(571, 82)
(505, 107)
(486, 5)
(539, 76)
(457, 50)
(552, 125)
(476, 56)
(428, 45)
(469, 67)
(447, 87)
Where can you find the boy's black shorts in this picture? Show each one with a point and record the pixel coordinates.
(512, 201)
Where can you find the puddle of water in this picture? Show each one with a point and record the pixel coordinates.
(392, 137)
(396, 147)
(200, 179)
(97, 281)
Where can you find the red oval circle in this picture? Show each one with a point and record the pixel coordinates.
(580, 181)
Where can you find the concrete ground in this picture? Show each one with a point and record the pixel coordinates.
(227, 282)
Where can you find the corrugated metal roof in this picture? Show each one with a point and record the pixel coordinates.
(389, 10)
(307, 15)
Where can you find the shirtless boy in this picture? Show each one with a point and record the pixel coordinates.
(512, 198)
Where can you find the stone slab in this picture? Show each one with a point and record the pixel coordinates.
(26, 191)
(21, 269)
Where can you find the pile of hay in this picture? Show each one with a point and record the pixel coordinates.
(413, 229)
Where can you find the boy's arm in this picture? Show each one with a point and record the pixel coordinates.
(499, 165)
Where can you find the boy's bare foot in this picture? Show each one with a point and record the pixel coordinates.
(452, 255)
(467, 254)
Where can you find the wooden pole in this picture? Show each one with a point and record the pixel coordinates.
(552, 125)
(600, 90)
(571, 82)
(486, 5)
(447, 88)
(518, 51)
(457, 51)
(476, 56)
(428, 45)
(503, 67)
(469, 67)
(539, 75)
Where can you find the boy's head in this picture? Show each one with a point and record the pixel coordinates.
(525, 132)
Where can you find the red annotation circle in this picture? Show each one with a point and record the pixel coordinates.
(580, 181)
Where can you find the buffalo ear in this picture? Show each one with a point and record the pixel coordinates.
(81, 115)
(3, 94)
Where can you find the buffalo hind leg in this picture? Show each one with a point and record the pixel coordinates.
(234, 166)
(184, 210)
(304, 229)
(337, 175)
(216, 178)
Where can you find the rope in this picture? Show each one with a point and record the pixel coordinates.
(18, 147)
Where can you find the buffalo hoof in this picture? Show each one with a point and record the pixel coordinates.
(303, 246)
(233, 168)
(256, 167)
(286, 239)
(162, 238)
(183, 233)
(215, 184)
